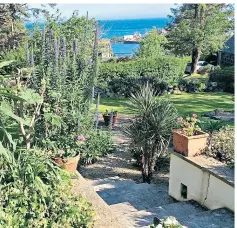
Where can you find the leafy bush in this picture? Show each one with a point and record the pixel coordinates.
(222, 144)
(162, 69)
(127, 86)
(98, 144)
(35, 193)
(193, 83)
(209, 125)
(224, 78)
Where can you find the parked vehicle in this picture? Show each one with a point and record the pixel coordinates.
(200, 66)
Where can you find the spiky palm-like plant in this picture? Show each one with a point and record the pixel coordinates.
(150, 130)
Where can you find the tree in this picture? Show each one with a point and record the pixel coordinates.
(198, 29)
(12, 18)
(151, 128)
(152, 44)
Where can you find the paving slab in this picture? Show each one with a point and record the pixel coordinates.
(219, 218)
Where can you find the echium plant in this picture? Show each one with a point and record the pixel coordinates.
(189, 125)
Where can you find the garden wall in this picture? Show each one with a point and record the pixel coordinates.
(209, 183)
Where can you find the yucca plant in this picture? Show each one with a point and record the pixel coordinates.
(150, 130)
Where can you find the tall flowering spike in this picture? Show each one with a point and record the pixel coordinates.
(75, 48)
(43, 35)
(56, 49)
(50, 36)
(32, 59)
(27, 54)
(64, 49)
(58, 46)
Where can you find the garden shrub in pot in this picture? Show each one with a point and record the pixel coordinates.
(189, 140)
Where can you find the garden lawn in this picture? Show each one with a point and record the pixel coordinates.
(186, 103)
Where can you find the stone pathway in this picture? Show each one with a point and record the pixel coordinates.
(119, 184)
(137, 204)
(121, 163)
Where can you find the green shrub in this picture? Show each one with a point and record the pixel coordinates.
(127, 86)
(209, 125)
(163, 69)
(224, 78)
(222, 144)
(194, 83)
(98, 144)
(35, 193)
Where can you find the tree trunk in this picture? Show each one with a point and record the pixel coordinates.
(195, 57)
(145, 169)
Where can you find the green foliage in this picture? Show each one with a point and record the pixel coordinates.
(194, 83)
(152, 45)
(224, 78)
(210, 126)
(150, 130)
(163, 69)
(189, 125)
(222, 145)
(128, 85)
(169, 222)
(199, 29)
(35, 193)
(97, 144)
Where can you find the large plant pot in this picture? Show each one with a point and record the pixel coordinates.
(69, 164)
(189, 146)
(107, 120)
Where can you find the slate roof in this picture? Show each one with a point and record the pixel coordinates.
(230, 46)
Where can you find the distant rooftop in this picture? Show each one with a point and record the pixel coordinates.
(230, 46)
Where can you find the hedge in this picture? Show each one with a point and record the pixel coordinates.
(163, 69)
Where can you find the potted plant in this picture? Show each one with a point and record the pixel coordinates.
(107, 117)
(69, 157)
(189, 140)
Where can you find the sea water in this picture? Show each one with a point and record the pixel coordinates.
(120, 28)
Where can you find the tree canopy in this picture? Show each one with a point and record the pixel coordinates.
(152, 44)
(197, 29)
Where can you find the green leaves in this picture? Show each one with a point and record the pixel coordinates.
(6, 109)
(6, 63)
(54, 119)
(30, 96)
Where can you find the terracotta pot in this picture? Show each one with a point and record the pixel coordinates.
(69, 164)
(115, 120)
(189, 146)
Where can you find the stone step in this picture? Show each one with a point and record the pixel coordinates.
(144, 218)
(218, 218)
(140, 196)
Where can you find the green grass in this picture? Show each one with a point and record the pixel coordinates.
(186, 103)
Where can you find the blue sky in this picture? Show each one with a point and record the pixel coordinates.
(115, 11)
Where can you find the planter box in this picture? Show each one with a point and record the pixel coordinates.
(69, 164)
(189, 146)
